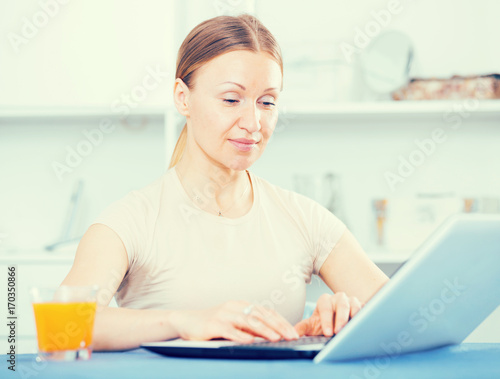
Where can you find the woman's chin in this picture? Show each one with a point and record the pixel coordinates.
(240, 165)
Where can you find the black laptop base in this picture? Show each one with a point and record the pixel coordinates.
(233, 352)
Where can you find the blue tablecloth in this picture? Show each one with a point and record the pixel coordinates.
(461, 361)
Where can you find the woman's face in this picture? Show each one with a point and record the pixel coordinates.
(231, 123)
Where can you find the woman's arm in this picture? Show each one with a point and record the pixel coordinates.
(101, 259)
(348, 269)
(353, 278)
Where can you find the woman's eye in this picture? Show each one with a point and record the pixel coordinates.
(233, 101)
(268, 103)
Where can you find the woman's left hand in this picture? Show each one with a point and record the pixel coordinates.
(331, 314)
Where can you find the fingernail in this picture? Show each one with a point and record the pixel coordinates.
(328, 331)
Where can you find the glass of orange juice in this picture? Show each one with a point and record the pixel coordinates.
(64, 318)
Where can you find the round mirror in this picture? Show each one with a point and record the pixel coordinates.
(386, 61)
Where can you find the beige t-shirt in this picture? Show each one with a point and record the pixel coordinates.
(182, 257)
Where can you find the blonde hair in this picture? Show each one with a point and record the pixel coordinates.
(215, 37)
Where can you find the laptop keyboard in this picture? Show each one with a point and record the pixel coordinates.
(305, 340)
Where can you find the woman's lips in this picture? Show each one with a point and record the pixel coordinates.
(243, 146)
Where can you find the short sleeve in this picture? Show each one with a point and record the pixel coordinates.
(327, 229)
(322, 229)
(127, 217)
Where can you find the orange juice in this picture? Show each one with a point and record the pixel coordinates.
(64, 326)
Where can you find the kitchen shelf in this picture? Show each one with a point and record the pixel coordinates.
(424, 107)
(79, 112)
(483, 110)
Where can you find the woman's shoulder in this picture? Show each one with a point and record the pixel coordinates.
(142, 199)
(278, 194)
(151, 191)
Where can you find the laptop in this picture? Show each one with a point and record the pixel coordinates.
(436, 298)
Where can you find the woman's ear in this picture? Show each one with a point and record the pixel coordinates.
(181, 97)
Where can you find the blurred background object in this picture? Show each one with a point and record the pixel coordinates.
(332, 197)
(69, 238)
(380, 207)
(403, 223)
(411, 220)
(325, 189)
(387, 62)
(456, 87)
(482, 205)
(319, 61)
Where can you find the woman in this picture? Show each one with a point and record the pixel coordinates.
(210, 250)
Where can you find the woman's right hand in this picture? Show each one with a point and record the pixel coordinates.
(229, 321)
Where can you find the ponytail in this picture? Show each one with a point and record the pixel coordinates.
(180, 146)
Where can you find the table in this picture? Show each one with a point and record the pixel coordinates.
(461, 361)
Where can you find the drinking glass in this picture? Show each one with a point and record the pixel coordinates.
(64, 318)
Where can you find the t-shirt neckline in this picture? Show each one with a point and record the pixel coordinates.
(219, 219)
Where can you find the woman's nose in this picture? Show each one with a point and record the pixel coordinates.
(250, 119)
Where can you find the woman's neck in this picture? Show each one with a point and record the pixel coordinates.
(216, 189)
